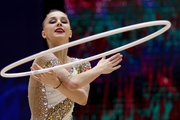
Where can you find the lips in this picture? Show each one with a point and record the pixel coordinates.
(59, 30)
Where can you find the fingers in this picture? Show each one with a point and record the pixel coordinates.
(116, 61)
(51, 72)
(35, 76)
(104, 57)
(116, 67)
(36, 66)
(114, 57)
(41, 76)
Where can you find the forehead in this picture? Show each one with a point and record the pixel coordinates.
(56, 14)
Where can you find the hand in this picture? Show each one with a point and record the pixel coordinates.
(109, 65)
(49, 77)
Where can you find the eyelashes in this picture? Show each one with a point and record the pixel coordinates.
(54, 21)
(64, 21)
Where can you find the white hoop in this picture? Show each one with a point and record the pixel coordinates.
(87, 39)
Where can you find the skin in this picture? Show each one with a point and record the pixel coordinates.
(74, 87)
(53, 21)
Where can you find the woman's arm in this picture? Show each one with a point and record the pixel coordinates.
(104, 66)
(80, 96)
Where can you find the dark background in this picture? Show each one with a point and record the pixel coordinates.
(147, 85)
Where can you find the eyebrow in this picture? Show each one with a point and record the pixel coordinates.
(55, 17)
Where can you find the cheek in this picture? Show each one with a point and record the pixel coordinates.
(68, 30)
(49, 31)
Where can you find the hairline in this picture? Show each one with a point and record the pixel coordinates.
(51, 11)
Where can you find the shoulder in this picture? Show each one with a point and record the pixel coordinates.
(48, 60)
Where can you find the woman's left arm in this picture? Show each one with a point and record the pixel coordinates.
(80, 96)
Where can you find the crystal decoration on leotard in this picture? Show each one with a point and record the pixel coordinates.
(59, 111)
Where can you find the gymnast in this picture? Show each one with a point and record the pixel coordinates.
(52, 94)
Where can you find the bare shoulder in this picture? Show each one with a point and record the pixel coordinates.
(48, 60)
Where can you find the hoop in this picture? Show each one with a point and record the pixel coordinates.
(87, 39)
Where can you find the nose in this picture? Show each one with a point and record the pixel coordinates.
(59, 23)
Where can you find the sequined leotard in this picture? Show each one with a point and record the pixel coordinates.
(47, 103)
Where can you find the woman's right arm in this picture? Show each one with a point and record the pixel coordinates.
(104, 66)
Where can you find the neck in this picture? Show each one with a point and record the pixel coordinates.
(62, 56)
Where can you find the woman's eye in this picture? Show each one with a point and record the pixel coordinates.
(64, 21)
(52, 21)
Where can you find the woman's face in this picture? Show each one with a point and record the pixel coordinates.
(57, 28)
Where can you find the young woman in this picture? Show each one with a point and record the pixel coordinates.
(52, 94)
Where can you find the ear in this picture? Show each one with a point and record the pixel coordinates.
(70, 35)
(43, 34)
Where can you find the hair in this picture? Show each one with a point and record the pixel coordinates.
(53, 10)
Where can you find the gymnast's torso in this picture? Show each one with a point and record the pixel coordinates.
(47, 103)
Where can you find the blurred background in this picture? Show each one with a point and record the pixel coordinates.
(146, 87)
